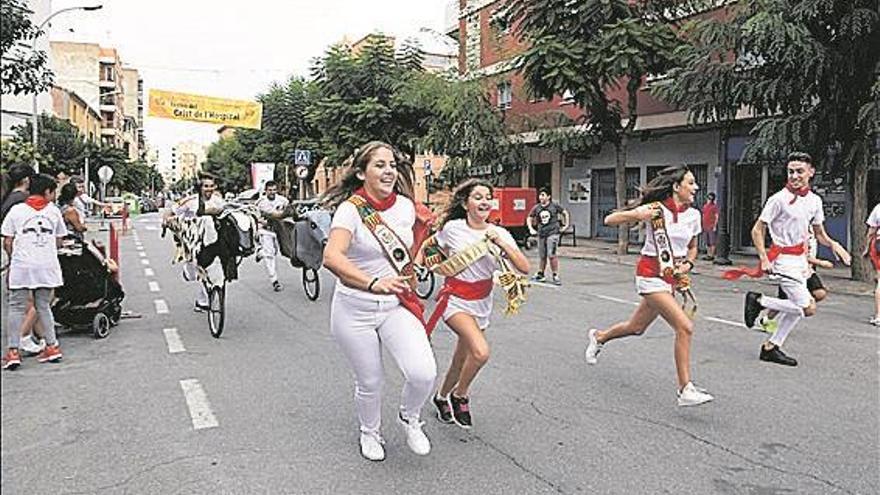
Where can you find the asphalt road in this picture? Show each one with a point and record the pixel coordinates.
(268, 407)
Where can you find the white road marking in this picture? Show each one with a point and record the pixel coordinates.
(161, 306)
(726, 322)
(145, 262)
(142, 254)
(139, 247)
(172, 338)
(154, 286)
(614, 299)
(151, 227)
(148, 272)
(197, 402)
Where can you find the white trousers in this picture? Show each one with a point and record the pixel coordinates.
(269, 248)
(362, 326)
(791, 310)
(191, 274)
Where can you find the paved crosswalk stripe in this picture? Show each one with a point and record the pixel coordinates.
(172, 338)
(199, 407)
(161, 306)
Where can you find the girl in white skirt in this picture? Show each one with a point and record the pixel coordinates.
(465, 301)
(670, 193)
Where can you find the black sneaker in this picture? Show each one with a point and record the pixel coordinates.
(277, 287)
(538, 277)
(775, 355)
(461, 411)
(444, 410)
(752, 309)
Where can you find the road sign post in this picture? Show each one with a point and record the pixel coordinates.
(302, 161)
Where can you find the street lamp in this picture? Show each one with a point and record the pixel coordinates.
(34, 121)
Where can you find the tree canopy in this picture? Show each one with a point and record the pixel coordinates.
(21, 71)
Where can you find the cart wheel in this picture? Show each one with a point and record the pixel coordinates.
(101, 326)
(425, 287)
(311, 283)
(115, 314)
(216, 310)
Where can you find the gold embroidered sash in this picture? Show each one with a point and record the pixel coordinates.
(666, 260)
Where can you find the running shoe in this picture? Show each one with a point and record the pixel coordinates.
(415, 438)
(774, 354)
(875, 321)
(593, 347)
(277, 287)
(201, 308)
(693, 396)
(12, 359)
(50, 354)
(538, 277)
(752, 308)
(444, 410)
(28, 346)
(767, 324)
(461, 411)
(372, 446)
(556, 279)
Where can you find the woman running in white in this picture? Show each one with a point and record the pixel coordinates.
(670, 193)
(465, 301)
(373, 304)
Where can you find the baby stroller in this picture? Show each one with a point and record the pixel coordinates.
(90, 296)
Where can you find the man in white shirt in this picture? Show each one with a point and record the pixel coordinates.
(273, 206)
(789, 214)
(83, 202)
(872, 250)
(207, 202)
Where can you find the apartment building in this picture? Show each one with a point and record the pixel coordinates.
(133, 112)
(70, 106)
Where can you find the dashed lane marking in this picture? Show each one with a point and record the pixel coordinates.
(154, 286)
(172, 338)
(161, 306)
(197, 402)
(142, 254)
(148, 272)
(145, 262)
(726, 322)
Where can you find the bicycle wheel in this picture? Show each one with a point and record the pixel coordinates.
(311, 283)
(425, 287)
(216, 310)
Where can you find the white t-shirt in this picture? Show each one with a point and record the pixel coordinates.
(83, 203)
(874, 217)
(188, 207)
(34, 263)
(680, 233)
(267, 205)
(789, 224)
(365, 251)
(455, 236)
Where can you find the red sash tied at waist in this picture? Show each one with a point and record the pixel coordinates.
(772, 254)
(874, 253)
(649, 266)
(469, 291)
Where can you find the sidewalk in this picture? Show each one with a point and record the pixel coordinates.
(599, 250)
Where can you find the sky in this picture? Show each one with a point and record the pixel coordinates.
(231, 49)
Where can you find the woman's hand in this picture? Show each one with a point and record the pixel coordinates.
(684, 266)
(645, 212)
(391, 285)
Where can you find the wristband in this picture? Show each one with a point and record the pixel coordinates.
(372, 283)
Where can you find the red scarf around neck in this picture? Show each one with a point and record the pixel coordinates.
(377, 204)
(669, 203)
(797, 192)
(37, 202)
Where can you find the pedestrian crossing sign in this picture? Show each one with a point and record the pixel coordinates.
(302, 157)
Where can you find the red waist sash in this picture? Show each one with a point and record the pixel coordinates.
(469, 291)
(772, 254)
(649, 266)
(874, 253)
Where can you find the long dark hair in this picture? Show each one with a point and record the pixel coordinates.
(68, 193)
(660, 187)
(457, 206)
(357, 162)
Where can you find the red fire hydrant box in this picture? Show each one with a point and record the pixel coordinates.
(511, 205)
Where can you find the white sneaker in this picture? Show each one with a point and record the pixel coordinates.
(593, 347)
(372, 446)
(416, 439)
(30, 347)
(875, 321)
(693, 396)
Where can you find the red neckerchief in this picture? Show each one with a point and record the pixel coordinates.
(797, 192)
(669, 203)
(37, 202)
(377, 204)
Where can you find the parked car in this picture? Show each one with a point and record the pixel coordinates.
(115, 205)
(148, 205)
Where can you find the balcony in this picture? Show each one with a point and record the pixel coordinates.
(109, 132)
(108, 107)
(450, 19)
(107, 84)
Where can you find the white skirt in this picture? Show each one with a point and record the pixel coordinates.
(650, 285)
(480, 309)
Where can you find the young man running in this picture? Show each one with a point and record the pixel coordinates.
(271, 205)
(788, 215)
